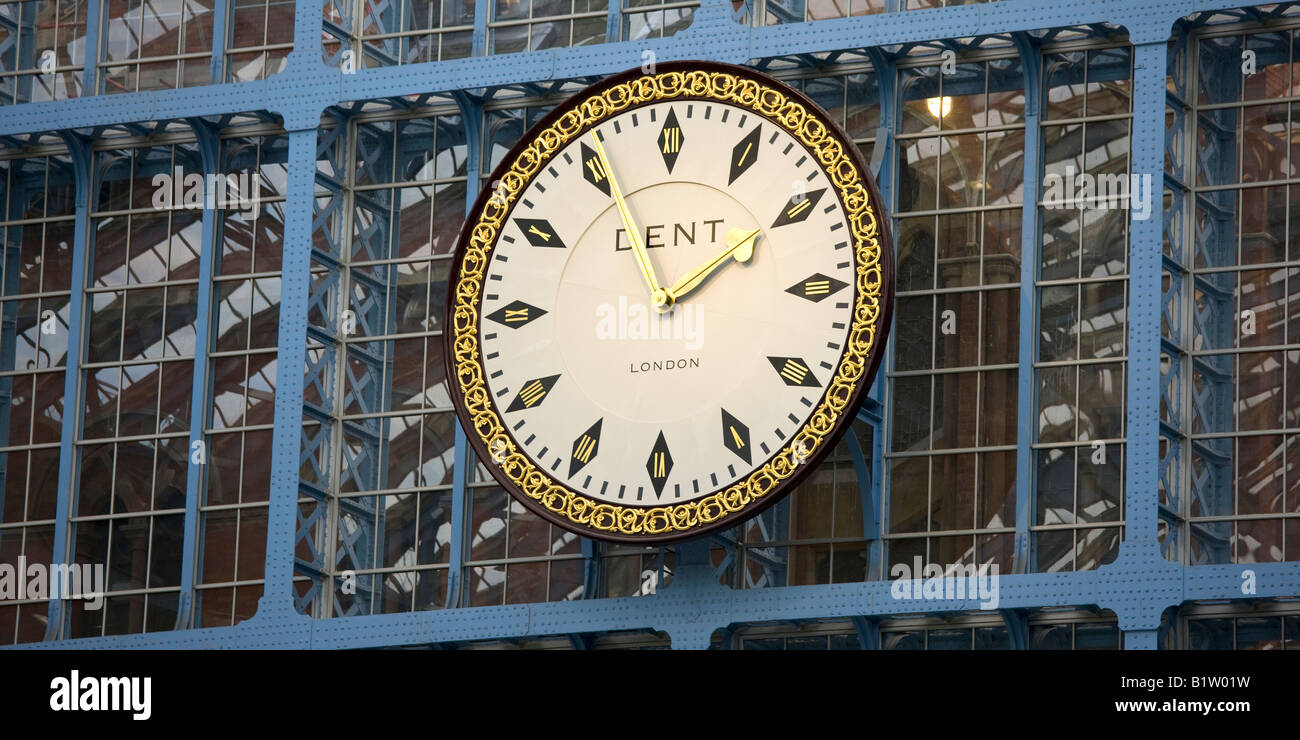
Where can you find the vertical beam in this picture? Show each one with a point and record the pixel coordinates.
(590, 568)
(1141, 639)
(885, 152)
(308, 25)
(868, 632)
(693, 577)
(301, 121)
(90, 63)
(195, 473)
(693, 560)
(1139, 617)
(1017, 622)
(868, 485)
(25, 58)
(471, 113)
(1168, 631)
(884, 155)
(459, 519)
(1026, 418)
(1142, 401)
(876, 549)
(222, 32)
(277, 596)
(82, 164)
(12, 246)
(614, 20)
(479, 40)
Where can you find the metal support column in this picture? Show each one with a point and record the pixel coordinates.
(884, 159)
(79, 152)
(613, 20)
(471, 113)
(305, 69)
(222, 28)
(1139, 552)
(90, 63)
(479, 39)
(1031, 62)
(196, 472)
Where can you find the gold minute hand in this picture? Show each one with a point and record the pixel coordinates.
(633, 235)
(740, 244)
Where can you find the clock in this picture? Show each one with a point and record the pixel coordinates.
(667, 303)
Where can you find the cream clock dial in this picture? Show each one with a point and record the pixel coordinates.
(668, 306)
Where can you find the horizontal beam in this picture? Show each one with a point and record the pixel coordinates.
(695, 607)
(306, 86)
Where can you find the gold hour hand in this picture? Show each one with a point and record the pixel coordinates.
(633, 235)
(740, 245)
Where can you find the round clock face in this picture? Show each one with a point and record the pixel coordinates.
(667, 305)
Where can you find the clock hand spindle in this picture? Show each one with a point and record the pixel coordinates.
(740, 244)
(658, 296)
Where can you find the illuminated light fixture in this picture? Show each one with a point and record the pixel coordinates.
(939, 107)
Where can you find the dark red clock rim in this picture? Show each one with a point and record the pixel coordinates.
(831, 439)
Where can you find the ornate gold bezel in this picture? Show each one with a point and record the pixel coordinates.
(872, 296)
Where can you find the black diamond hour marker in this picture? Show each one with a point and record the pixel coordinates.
(794, 371)
(816, 287)
(593, 171)
(744, 155)
(798, 207)
(539, 233)
(659, 465)
(670, 140)
(533, 393)
(516, 314)
(585, 447)
(735, 436)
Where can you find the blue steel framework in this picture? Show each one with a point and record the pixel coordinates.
(1138, 586)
